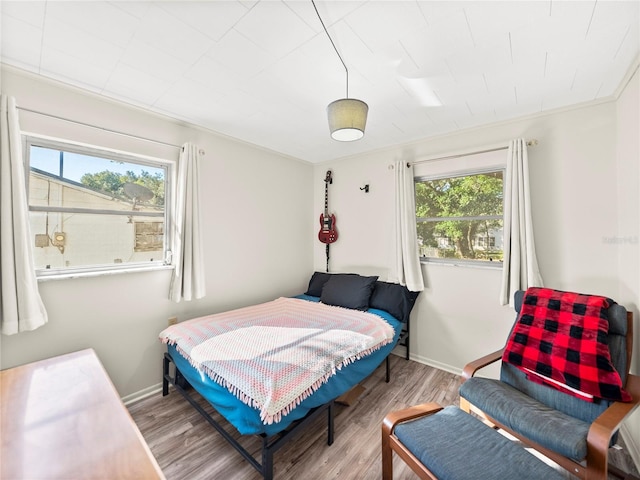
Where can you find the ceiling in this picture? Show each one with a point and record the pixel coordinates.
(263, 72)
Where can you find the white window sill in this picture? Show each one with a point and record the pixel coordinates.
(449, 262)
(45, 277)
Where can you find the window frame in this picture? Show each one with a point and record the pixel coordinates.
(468, 172)
(30, 139)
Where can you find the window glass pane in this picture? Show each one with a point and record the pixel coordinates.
(45, 159)
(72, 240)
(98, 175)
(64, 184)
(462, 196)
(461, 217)
(463, 239)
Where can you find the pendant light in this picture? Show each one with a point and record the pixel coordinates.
(347, 116)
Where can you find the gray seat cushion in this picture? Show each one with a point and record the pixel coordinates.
(546, 426)
(454, 445)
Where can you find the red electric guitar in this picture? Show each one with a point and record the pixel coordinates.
(328, 233)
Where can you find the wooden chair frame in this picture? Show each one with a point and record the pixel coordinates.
(601, 430)
(390, 442)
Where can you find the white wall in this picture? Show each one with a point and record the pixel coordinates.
(628, 171)
(256, 212)
(584, 187)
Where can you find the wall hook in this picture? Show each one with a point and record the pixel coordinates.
(365, 188)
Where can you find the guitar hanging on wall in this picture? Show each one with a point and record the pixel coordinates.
(328, 233)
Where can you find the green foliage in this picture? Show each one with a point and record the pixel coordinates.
(113, 183)
(465, 196)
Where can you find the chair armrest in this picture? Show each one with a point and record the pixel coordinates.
(603, 428)
(472, 367)
(394, 418)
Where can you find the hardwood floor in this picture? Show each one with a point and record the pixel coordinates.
(187, 447)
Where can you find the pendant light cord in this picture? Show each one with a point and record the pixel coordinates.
(334, 45)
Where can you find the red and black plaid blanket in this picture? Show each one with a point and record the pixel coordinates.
(560, 340)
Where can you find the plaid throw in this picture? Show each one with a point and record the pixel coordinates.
(274, 355)
(560, 340)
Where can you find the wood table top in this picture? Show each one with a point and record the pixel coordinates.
(62, 418)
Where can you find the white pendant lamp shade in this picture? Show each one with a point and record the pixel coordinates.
(347, 119)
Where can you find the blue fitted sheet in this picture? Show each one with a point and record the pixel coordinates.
(246, 419)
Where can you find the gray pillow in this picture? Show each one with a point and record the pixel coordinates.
(393, 298)
(318, 279)
(348, 291)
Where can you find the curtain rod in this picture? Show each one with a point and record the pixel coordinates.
(98, 127)
(530, 143)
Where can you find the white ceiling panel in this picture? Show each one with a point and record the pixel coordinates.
(275, 27)
(188, 99)
(439, 40)
(80, 44)
(264, 71)
(164, 31)
(495, 57)
(393, 18)
(212, 74)
(66, 68)
(253, 60)
(153, 61)
(136, 8)
(29, 12)
(330, 14)
(101, 20)
(136, 86)
(513, 16)
(212, 19)
(21, 42)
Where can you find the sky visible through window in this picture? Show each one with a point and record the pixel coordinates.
(75, 165)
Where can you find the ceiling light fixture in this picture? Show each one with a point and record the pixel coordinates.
(347, 116)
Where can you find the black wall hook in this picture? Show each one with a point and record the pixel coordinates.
(365, 188)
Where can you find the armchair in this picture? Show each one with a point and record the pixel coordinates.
(573, 432)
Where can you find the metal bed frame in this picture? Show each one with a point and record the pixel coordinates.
(270, 444)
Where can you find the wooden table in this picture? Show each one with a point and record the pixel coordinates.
(61, 418)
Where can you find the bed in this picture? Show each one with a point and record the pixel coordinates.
(273, 368)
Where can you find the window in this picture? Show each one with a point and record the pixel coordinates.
(460, 217)
(93, 210)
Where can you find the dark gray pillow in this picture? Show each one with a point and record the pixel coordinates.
(348, 290)
(318, 279)
(393, 298)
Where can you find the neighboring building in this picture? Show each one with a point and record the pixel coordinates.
(67, 239)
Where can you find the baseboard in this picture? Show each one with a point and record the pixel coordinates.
(144, 393)
(633, 449)
(402, 352)
(435, 364)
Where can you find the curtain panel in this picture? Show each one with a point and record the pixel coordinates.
(188, 280)
(407, 254)
(21, 308)
(520, 266)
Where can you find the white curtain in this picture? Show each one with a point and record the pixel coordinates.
(21, 308)
(520, 267)
(407, 254)
(188, 281)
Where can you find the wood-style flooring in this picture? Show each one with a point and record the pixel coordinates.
(188, 448)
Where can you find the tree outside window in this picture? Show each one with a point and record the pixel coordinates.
(461, 217)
